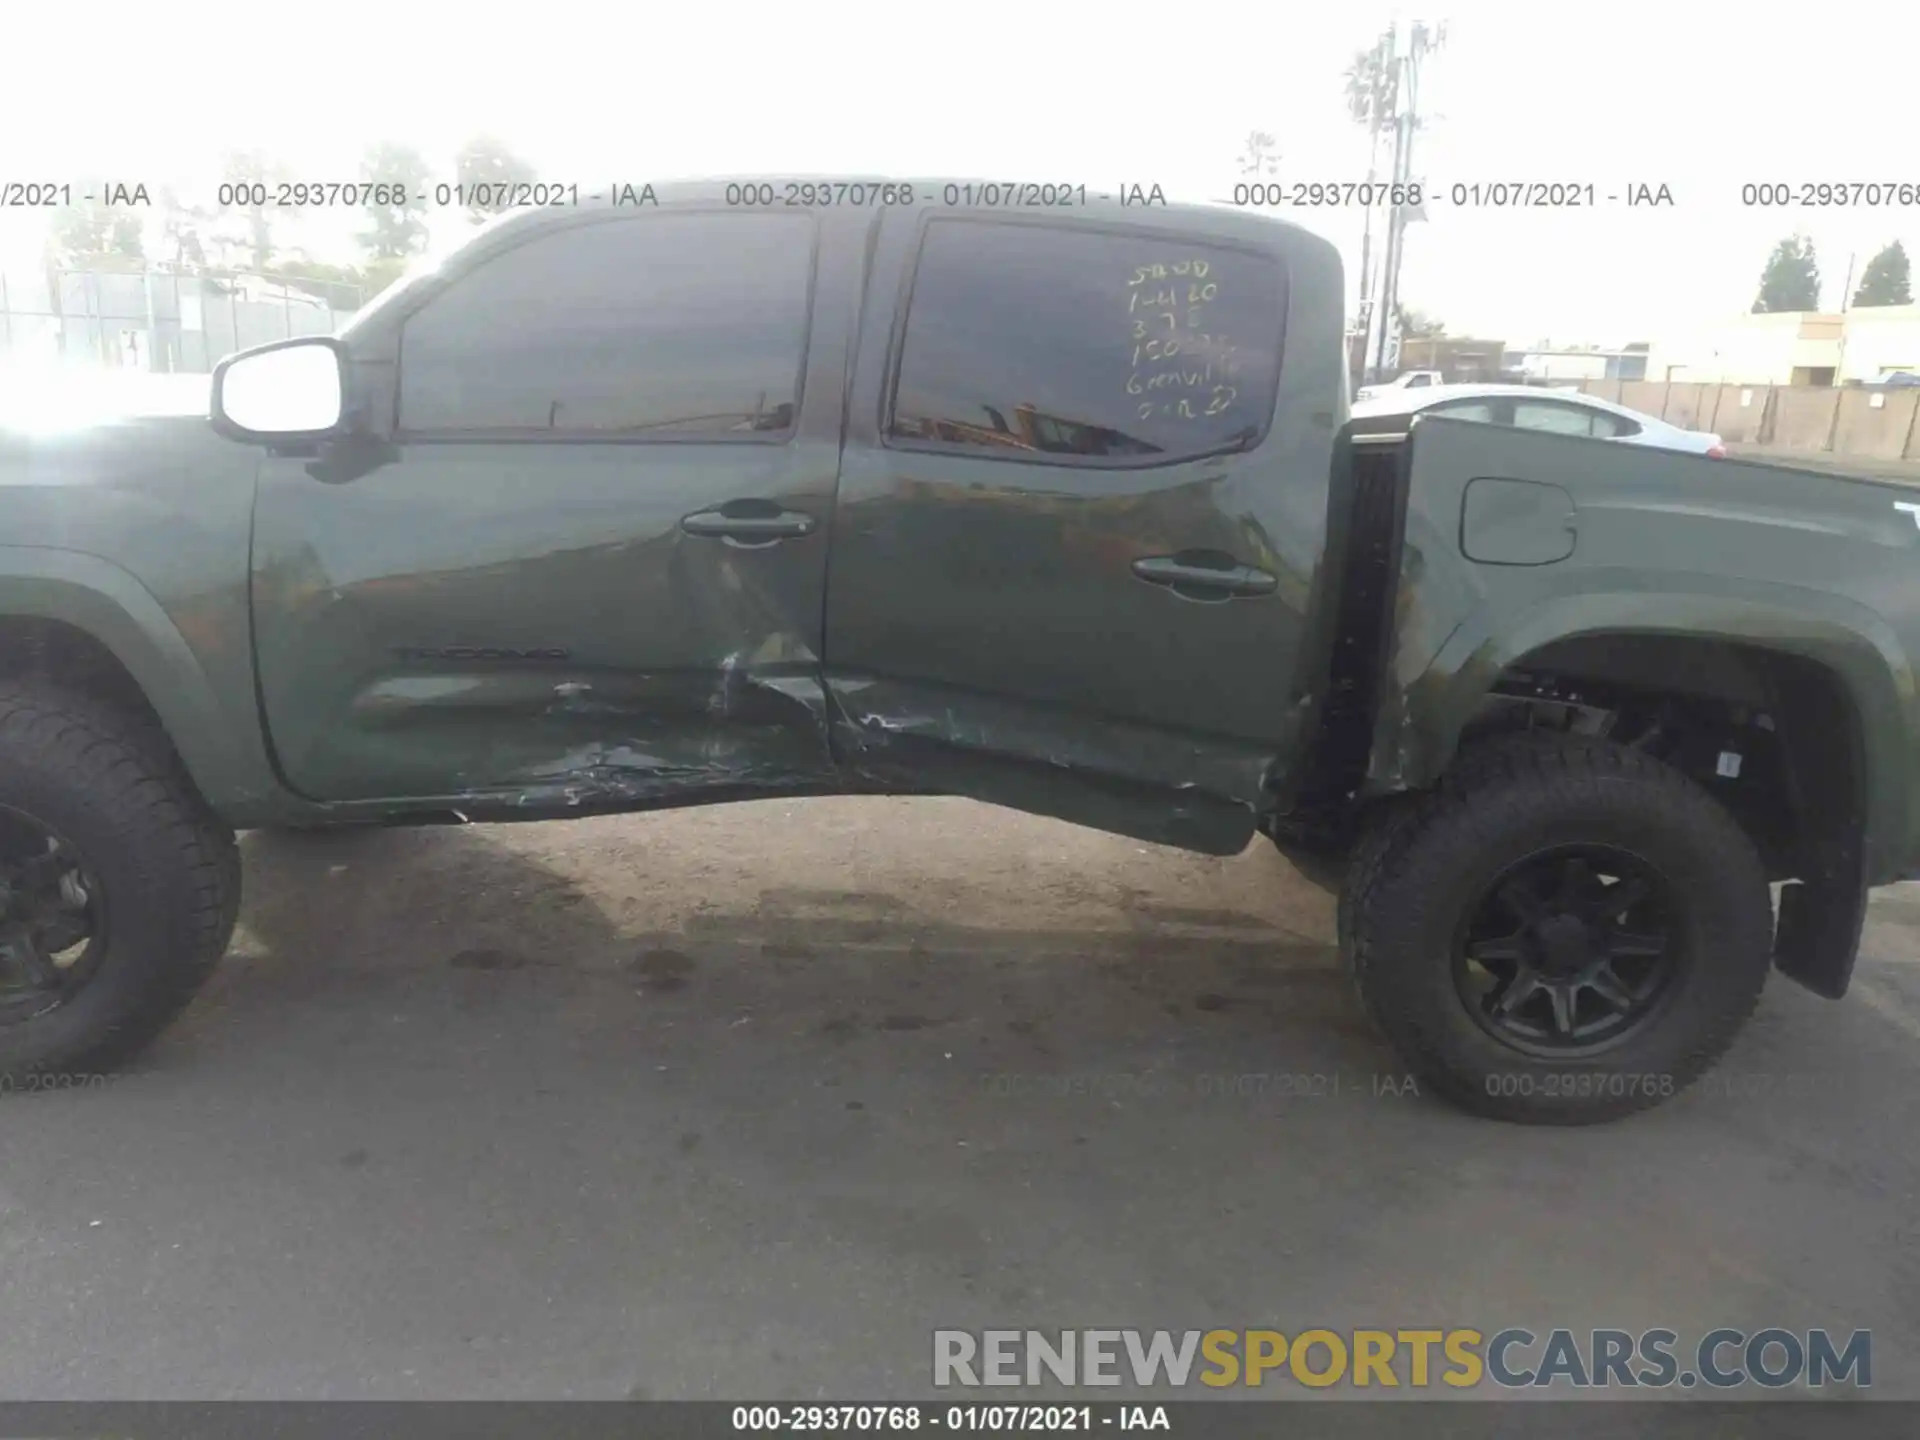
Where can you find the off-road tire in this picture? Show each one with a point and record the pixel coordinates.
(1418, 870)
(110, 784)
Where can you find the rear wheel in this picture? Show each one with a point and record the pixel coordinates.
(1566, 931)
(118, 888)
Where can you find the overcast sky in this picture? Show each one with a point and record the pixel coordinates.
(1700, 97)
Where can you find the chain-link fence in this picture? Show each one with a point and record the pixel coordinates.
(158, 320)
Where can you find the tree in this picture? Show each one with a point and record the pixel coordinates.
(377, 275)
(1791, 280)
(1262, 155)
(183, 230)
(259, 177)
(1371, 83)
(397, 229)
(344, 287)
(341, 286)
(1886, 280)
(1416, 326)
(483, 163)
(90, 232)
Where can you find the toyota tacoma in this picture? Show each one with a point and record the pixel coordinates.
(628, 506)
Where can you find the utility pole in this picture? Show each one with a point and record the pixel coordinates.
(1376, 73)
(1396, 216)
(1419, 42)
(1846, 304)
(1379, 317)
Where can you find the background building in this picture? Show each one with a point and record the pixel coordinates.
(1860, 346)
(1879, 341)
(1555, 363)
(1456, 357)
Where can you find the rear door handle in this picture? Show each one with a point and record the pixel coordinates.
(1205, 575)
(749, 523)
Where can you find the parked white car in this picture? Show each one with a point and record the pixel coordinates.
(1529, 407)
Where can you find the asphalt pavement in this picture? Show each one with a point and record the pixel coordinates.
(746, 1101)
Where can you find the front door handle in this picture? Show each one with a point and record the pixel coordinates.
(1205, 575)
(749, 523)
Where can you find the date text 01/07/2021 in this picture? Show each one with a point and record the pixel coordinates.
(973, 1419)
(1504, 194)
(353, 194)
(969, 194)
(512, 195)
(1463, 195)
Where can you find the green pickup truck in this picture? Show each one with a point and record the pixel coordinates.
(625, 506)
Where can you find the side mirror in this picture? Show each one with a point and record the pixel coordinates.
(288, 389)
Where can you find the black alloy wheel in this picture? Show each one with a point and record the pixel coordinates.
(1562, 931)
(52, 920)
(1570, 951)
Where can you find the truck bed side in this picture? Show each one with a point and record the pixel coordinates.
(1634, 570)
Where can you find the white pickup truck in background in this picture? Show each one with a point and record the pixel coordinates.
(1410, 380)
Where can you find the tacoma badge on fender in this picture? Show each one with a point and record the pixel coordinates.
(480, 652)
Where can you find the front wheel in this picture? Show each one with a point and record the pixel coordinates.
(1564, 932)
(118, 888)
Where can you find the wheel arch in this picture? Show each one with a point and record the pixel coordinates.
(1821, 660)
(89, 623)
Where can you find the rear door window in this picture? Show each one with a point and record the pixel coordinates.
(1078, 345)
(1608, 426)
(1481, 410)
(1553, 418)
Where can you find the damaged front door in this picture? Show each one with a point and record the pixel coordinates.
(589, 569)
